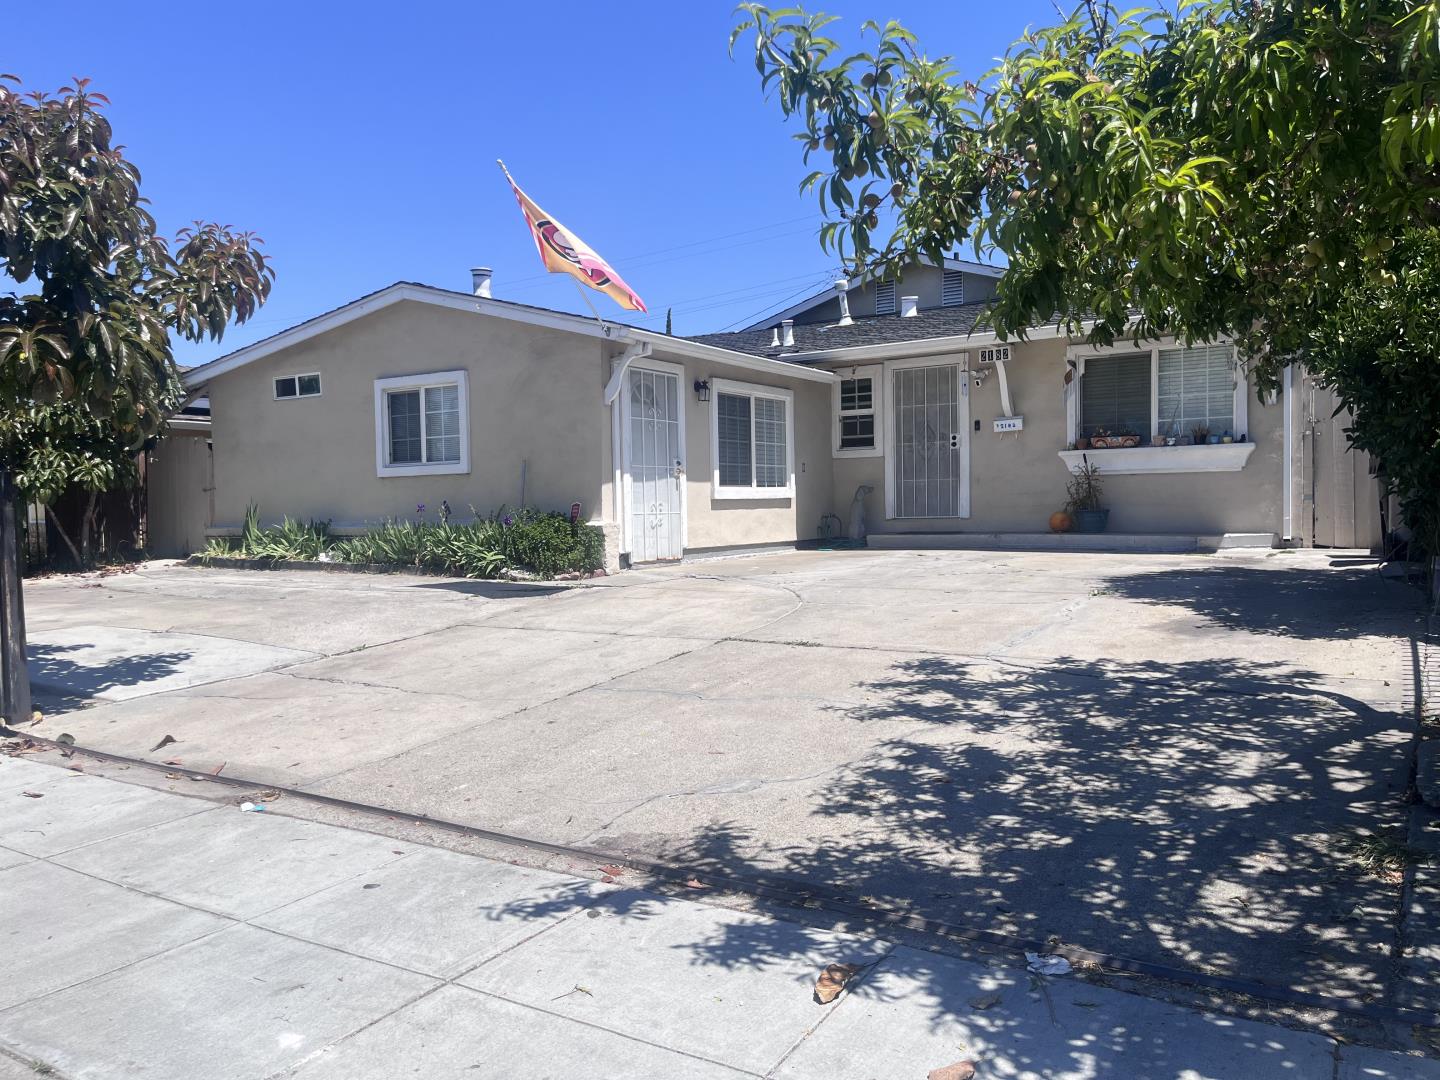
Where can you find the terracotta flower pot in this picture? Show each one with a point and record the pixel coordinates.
(1061, 522)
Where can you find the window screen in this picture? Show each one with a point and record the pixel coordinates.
(733, 411)
(1196, 387)
(770, 443)
(1115, 396)
(442, 423)
(308, 385)
(404, 414)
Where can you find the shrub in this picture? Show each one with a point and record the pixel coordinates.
(289, 540)
(470, 550)
(544, 544)
(549, 544)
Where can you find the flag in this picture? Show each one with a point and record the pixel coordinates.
(563, 252)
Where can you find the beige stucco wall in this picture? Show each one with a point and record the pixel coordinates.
(725, 522)
(177, 502)
(534, 397)
(1017, 481)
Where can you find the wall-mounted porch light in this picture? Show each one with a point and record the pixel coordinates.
(702, 389)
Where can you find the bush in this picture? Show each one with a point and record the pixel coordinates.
(468, 550)
(549, 544)
(544, 544)
(289, 540)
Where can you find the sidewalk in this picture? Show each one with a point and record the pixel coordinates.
(154, 935)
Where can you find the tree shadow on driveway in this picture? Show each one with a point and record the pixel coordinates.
(1190, 814)
(60, 683)
(1285, 600)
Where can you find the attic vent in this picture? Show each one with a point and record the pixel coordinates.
(952, 291)
(884, 298)
(998, 352)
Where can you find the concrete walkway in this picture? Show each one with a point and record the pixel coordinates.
(151, 934)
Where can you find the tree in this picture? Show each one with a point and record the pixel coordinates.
(1236, 168)
(87, 374)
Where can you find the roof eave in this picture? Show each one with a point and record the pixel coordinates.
(892, 350)
(198, 377)
(695, 350)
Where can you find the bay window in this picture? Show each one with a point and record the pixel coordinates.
(1176, 401)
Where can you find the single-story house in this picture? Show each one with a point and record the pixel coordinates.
(679, 446)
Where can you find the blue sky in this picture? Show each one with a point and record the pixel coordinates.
(360, 140)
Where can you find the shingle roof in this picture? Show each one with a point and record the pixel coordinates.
(871, 330)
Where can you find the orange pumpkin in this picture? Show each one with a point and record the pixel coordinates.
(1060, 522)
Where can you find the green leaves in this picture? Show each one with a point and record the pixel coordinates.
(93, 335)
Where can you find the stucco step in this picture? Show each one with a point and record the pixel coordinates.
(1161, 543)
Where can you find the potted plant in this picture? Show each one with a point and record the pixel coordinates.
(1201, 432)
(1082, 499)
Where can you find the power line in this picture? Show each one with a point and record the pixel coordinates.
(776, 305)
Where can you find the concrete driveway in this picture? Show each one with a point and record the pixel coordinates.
(1158, 756)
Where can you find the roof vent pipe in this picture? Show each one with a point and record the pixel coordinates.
(775, 338)
(909, 305)
(480, 280)
(788, 339)
(842, 293)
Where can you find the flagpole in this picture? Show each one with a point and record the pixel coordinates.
(604, 326)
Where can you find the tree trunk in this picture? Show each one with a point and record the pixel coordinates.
(14, 678)
(59, 528)
(87, 527)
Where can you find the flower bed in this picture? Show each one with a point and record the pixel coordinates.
(531, 542)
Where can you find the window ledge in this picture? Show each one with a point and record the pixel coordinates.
(1224, 457)
(752, 493)
(439, 468)
(869, 451)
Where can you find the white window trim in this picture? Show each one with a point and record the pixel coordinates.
(297, 396)
(382, 423)
(1231, 458)
(876, 374)
(752, 390)
(1226, 457)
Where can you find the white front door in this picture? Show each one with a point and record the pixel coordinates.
(930, 439)
(654, 465)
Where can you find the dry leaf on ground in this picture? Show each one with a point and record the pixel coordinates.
(612, 869)
(164, 742)
(961, 1070)
(985, 1001)
(33, 794)
(832, 980)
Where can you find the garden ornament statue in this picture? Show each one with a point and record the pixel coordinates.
(857, 513)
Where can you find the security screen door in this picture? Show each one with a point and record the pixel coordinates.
(930, 441)
(655, 465)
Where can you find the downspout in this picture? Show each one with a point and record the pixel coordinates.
(1004, 389)
(635, 351)
(1287, 478)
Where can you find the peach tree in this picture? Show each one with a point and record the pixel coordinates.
(1228, 168)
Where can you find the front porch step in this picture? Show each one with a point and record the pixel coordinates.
(1155, 543)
